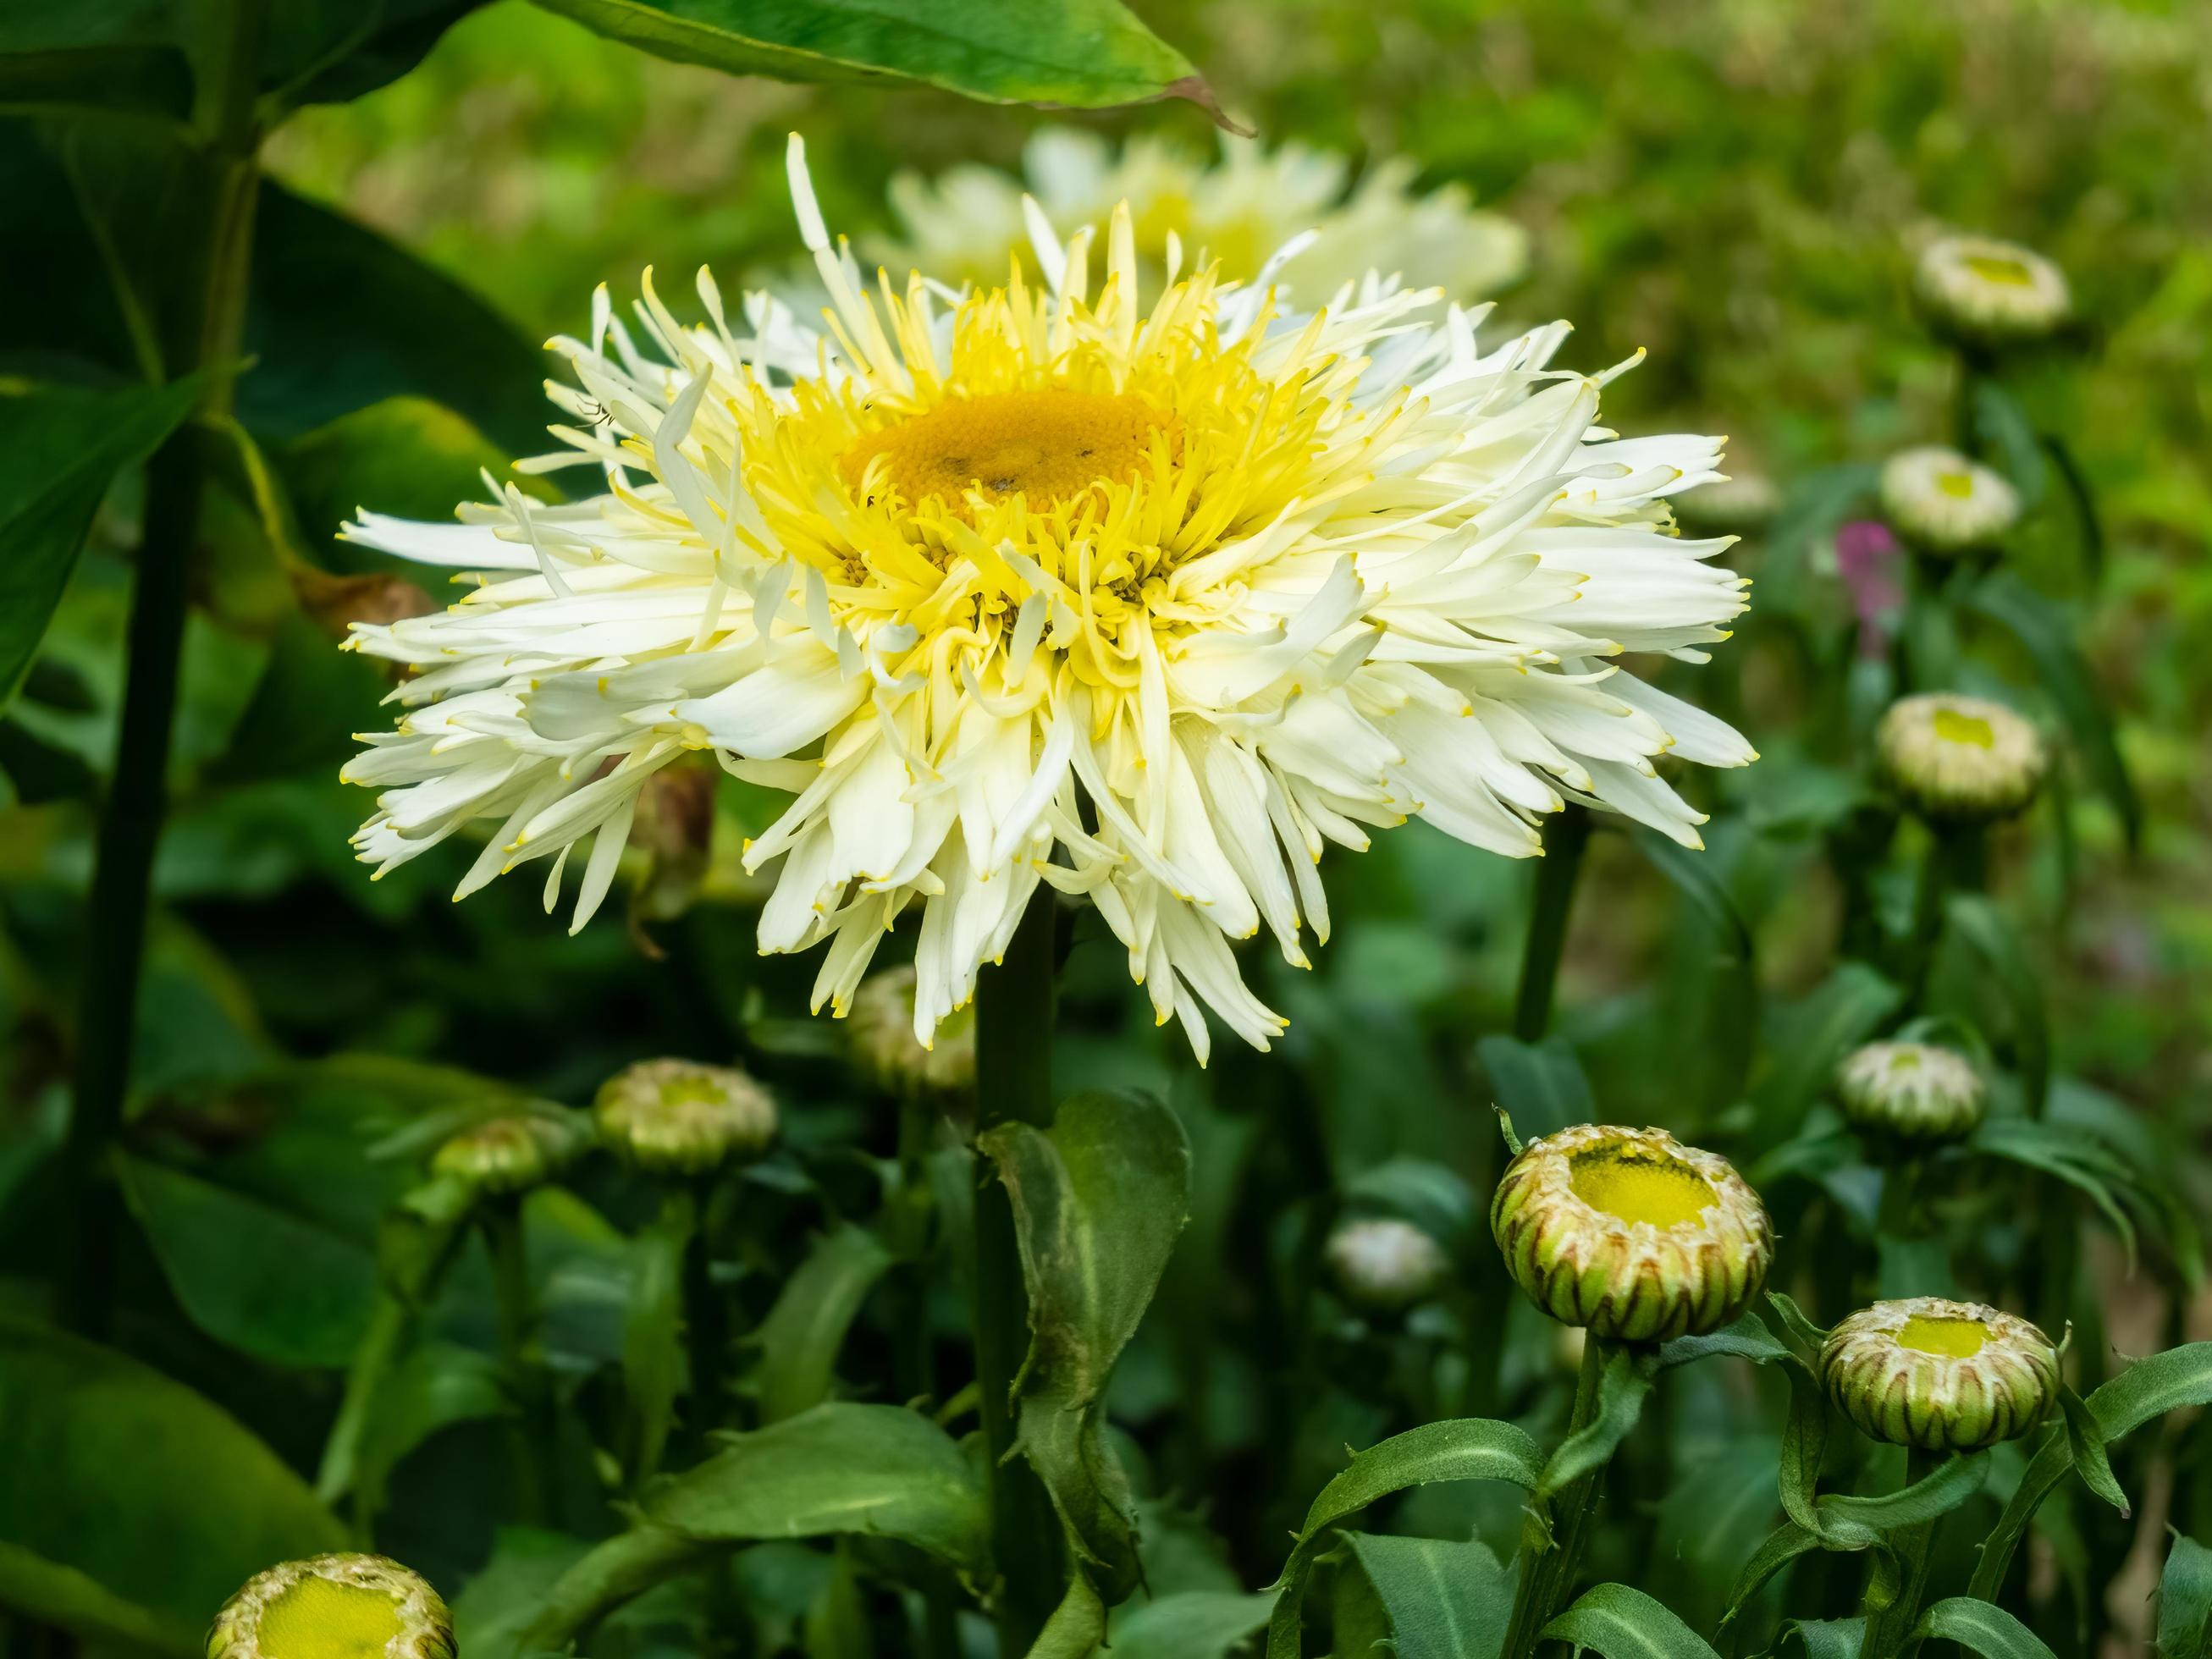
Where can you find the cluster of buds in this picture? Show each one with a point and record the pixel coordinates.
(1944, 1376)
(512, 1153)
(1959, 759)
(1385, 1265)
(676, 1117)
(1986, 293)
(1630, 1234)
(333, 1607)
(1912, 1091)
(879, 1035)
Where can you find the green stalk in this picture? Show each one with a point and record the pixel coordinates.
(207, 319)
(1954, 862)
(1548, 1577)
(914, 1369)
(1887, 1631)
(529, 1425)
(1556, 874)
(1013, 1083)
(705, 1322)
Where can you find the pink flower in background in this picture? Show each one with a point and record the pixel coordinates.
(1867, 559)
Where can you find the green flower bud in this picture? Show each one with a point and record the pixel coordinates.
(676, 1117)
(1911, 1092)
(1942, 503)
(1385, 1264)
(1961, 759)
(1631, 1234)
(512, 1154)
(1981, 291)
(333, 1607)
(1940, 1376)
(879, 1030)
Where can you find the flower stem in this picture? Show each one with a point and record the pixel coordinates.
(1556, 874)
(1887, 1631)
(705, 1322)
(529, 1425)
(1954, 862)
(210, 313)
(1013, 1083)
(913, 1367)
(1548, 1576)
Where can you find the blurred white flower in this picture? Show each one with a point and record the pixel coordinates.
(1989, 293)
(1035, 585)
(1385, 1263)
(967, 225)
(1962, 759)
(1942, 503)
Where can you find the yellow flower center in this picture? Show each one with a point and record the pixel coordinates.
(1996, 268)
(320, 1618)
(1904, 1059)
(1953, 727)
(1045, 447)
(1634, 1183)
(1957, 485)
(1954, 1339)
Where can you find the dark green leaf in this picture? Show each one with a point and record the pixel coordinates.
(59, 451)
(1989, 931)
(1809, 1040)
(1622, 1386)
(652, 1333)
(2089, 524)
(1747, 1339)
(1804, 1444)
(151, 1491)
(1852, 1522)
(275, 1284)
(47, 1593)
(1541, 1085)
(1084, 54)
(1446, 1600)
(432, 1387)
(1783, 1545)
(1986, 1630)
(1458, 1449)
(1691, 873)
(133, 80)
(1099, 1199)
(1824, 1639)
(2184, 1601)
(1619, 1623)
(2087, 1440)
(595, 1585)
(2045, 633)
(801, 1338)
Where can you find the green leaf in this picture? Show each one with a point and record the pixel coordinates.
(2087, 1440)
(432, 1387)
(801, 1338)
(2149, 1388)
(1457, 1449)
(1446, 1600)
(1853, 1522)
(1808, 1040)
(1988, 1631)
(1192, 1625)
(275, 1284)
(1824, 1639)
(1804, 1445)
(2184, 1601)
(1747, 1339)
(47, 1593)
(652, 1333)
(589, 1588)
(1691, 873)
(2069, 1153)
(1540, 1084)
(404, 455)
(1999, 419)
(1620, 1623)
(310, 700)
(59, 451)
(1077, 1626)
(149, 1490)
(1622, 1386)
(1084, 54)
(2089, 524)
(2044, 631)
(1989, 931)
(1783, 1545)
(1099, 1199)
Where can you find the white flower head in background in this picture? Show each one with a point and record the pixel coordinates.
(1989, 293)
(1036, 585)
(968, 225)
(1943, 502)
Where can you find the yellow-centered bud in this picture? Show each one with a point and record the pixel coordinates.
(1940, 1376)
(1911, 1092)
(1983, 292)
(677, 1117)
(1961, 759)
(1630, 1234)
(333, 1607)
(879, 1030)
(1942, 503)
(512, 1154)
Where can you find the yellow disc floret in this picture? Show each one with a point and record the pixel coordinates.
(1045, 447)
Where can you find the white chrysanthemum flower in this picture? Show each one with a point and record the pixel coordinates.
(969, 224)
(1943, 502)
(1032, 585)
(1989, 293)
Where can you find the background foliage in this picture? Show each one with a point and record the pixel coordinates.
(1735, 187)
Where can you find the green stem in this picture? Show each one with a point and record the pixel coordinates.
(1953, 864)
(1547, 1575)
(529, 1427)
(206, 322)
(1887, 1631)
(913, 1367)
(1556, 874)
(706, 1323)
(1013, 1083)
